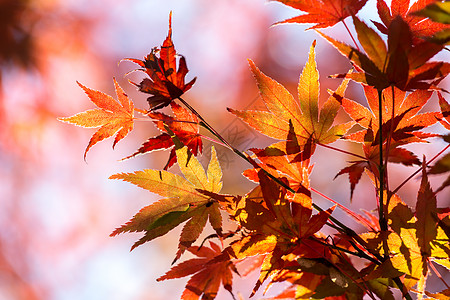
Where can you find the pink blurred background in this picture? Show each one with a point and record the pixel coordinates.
(56, 211)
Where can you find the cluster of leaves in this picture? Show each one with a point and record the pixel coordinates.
(275, 226)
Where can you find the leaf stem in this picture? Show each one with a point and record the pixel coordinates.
(381, 166)
(381, 171)
(359, 253)
(388, 146)
(345, 209)
(343, 151)
(209, 127)
(351, 35)
(419, 169)
(436, 272)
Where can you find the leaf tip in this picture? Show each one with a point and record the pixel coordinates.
(81, 85)
(252, 65)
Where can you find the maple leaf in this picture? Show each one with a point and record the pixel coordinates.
(443, 295)
(182, 203)
(421, 26)
(437, 12)
(405, 251)
(284, 112)
(275, 225)
(426, 214)
(442, 166)
(401, 120)
(166, 83)
(209, 271)
(445, 109)
(277, 163)
(413, 240)
(285, 159)
(111, 116)
(401, 125)
(184, 125)
(325, 13)
(401, 63)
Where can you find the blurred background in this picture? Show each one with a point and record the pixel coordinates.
(56, 210)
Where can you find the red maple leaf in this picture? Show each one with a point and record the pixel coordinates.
(209, 271)
(421, 27)
(324, 13)
(166, 83)
(184, 125)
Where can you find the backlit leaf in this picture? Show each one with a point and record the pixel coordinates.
(324, 13)
(415, 16)
(165, 82)
(284, 112)
(426, 214)
(183, 202)
(209, 272)
(403, 245)
(184, 125)
(111, 116)
(404, 65)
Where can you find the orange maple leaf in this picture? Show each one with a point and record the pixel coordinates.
(166, 83)
(400, 115)
(284, 112)
(111, 116)
(402, 124)
(209, 271)
(325, 13)
(275, 226)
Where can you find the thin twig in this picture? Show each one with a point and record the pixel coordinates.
(436, 272)
(388, 146)
(420, 169)
(351, 35)
(341, 150)
(381, 166)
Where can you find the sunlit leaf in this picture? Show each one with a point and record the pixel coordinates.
(183, 202)
(111, 116)
(324, 13)
(209, 272)
(165, 82)
(308, 121)
(404, 65)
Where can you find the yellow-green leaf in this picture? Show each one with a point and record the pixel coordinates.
(183, 200)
